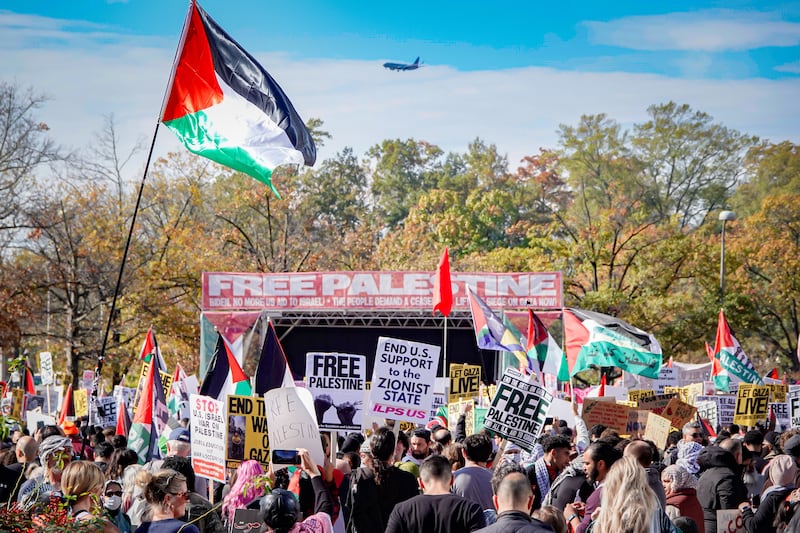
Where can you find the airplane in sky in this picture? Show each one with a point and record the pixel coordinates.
(403, 66)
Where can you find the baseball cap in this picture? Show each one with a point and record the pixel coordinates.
(181, 434)
(792, 446)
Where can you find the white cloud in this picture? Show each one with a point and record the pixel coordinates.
(712, 30)
(362, 104)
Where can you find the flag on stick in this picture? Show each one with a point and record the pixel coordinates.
(30, 387)
(67, 407)
(595, 339)
(442, 287)
(224, 106)
(544, 349)
(123, 420)
(491, 333)
(273, 370)
(734, 365)
(150, 348)
(225, 376)
(150, 418)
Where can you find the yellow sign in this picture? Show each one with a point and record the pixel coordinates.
(635, 395)
(752, 404)
(166, 382)
(17, 399)
(247, 436)
(465, 382)
(80, 398)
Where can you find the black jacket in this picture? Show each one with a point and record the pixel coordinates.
(516, 522)
(763, 519)
(720, 485)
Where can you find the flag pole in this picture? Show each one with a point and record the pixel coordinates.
(444, 349)
(178, 51)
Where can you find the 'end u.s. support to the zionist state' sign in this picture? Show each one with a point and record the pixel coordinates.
(403, 379)
(518, 409)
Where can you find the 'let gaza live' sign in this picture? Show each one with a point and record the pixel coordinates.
(375, 290)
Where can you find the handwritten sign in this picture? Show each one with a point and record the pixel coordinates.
(679, 412)
(80, 399)
(752, 404)
(291, 421)
(465, 382)
(637, 422)
(246, 521)
(207, 418)
(46, 367)
(518, 409)
(247, 436)
(337, 382)
(403, 379)
(609, 414)
(657, 430)
(730, 521)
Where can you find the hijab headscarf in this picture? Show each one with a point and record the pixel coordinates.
(679, 477)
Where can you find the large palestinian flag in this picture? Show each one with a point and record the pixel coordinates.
(223, 105)
(595, 339)
(733, 364)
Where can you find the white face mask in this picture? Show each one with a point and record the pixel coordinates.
(112, 503)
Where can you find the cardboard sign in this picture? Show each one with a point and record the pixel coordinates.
(46, 368)
(610, 414)
(656, 403)
(681, 392)
(337, 382)
(80, 399)
(518, 409)
(465, 382)
(637, 422)
(454, 412)
(246, 435)
(752, 404)
(793, 399)
(679, 413)
(291, 421)
(403, 379)
(635, 395)
(246, 521)
(657, 430)
(207, 419)
(730, 521)
(17, 403)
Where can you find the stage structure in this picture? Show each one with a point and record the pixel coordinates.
(346, 312)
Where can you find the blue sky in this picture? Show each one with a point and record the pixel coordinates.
(508, 72)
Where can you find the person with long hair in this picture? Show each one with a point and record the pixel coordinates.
(628, 504)
(167, 494)
(375, 490)
(82, 484)
(244, 490)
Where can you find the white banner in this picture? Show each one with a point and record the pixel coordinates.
(403, 379)
(337, 382)
(207, 419)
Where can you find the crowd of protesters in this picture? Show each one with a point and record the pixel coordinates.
(433, 479)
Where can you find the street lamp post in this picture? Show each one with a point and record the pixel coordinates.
(724, 216)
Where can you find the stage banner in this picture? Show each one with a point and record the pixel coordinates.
(247, 436)
(518, 409)
(337, 382)
(207, 419)
(406, 290)
(403, 379)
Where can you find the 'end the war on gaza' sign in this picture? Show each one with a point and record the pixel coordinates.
(403, 379)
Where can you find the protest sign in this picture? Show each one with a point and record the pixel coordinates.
(667, 377)
(17, 403)
(693, 391)
(681, 392)
(637, 422)
(455, 410)
(80, 399)
(87, 380)
(634, 395)
(166, 382)
(291, 421)
(777, 392)
(657, 430)
(562, 410)
(207, 420)
(246, 431)
(793, 399)
(730, 521)
(752, 404)
(726, 406)
(610, 414)
(246, 521)
(37, 419)
(465, 382)
(403, 379)
(105, 414)
(656, 403)
(518, 409)
(707, 410)
(34, 402)
(337, 381)
(46, 367)
(679, 413)
(781, 412)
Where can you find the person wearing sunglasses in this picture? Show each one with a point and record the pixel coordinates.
(167, 495)
(112, 505)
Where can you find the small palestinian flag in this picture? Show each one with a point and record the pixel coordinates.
(225, 376)
(734, 365)
(223, 105)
